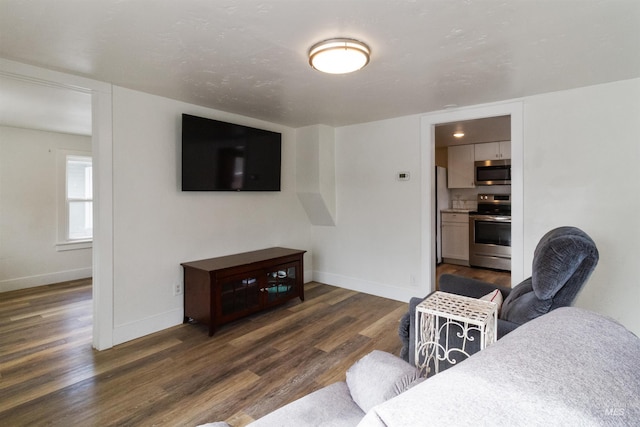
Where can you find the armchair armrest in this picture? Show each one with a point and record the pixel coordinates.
(504, 327)
(407, 332)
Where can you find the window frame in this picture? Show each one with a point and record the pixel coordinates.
(64, 243)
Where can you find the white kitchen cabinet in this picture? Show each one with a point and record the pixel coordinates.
(455, 238)
(460, 170)
(493, 150)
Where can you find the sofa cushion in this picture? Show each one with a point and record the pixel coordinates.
(330, 406)
(378, 377)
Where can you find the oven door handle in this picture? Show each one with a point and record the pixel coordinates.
(490, 218)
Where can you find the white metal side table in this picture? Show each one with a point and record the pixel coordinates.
(449, 328)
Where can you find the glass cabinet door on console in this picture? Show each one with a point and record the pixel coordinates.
(240, 294)
(281, 283)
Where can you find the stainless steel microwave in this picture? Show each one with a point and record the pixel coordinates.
(493, 172)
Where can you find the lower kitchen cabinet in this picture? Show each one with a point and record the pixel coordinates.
(455, 238)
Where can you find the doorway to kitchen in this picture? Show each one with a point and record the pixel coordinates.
(467, 199)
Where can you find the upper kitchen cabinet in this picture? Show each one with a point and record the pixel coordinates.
(493, 150)
(460, 162)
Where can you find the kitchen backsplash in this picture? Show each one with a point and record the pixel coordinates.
(464, 198)
(467, 198)
(464, 204)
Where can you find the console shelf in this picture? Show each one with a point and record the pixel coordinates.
(220, 290)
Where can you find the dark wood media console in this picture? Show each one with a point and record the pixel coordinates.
(223, 289)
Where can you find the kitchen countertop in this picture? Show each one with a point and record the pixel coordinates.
(456, 210)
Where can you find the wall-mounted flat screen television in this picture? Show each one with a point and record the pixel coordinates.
(220, 156)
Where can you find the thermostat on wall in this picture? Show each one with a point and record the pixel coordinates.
(403, 176)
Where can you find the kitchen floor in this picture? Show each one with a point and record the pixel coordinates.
(502, 278)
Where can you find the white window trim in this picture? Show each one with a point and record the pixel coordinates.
(63, 243)
(74, 245)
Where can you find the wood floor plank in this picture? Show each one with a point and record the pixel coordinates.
(267, 332)
(381, 325)
(76, 370)
(222, 393)
(40, 339)
(240, 419)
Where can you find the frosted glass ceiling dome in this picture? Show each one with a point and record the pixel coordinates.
(339, 56)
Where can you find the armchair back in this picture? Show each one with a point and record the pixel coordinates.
(562, 262)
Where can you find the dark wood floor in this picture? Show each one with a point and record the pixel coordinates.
(502, 278)
(50, 375)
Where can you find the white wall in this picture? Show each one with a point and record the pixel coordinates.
(581, 167)
(156, 226)
(28, 209)
(375, 245)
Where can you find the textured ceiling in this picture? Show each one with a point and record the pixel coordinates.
(249, 56)
(25, 104)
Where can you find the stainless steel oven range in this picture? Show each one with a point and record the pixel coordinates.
(490, 232)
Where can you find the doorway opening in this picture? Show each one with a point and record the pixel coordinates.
(473, 218)
(445, 121)
(46, 201)
(100, 104)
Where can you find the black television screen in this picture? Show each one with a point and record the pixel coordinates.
(220, 156)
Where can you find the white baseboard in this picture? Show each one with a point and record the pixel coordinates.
(373, 288)
(308, 276)
(44, 279)
(149, 325)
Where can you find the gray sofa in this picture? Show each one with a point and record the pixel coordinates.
(570, 367)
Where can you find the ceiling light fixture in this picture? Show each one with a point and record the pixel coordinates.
(339, 56)
(458, 134)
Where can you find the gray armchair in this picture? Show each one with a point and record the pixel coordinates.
(562, 262)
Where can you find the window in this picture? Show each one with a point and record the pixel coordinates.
(79, 198)
(76, 205)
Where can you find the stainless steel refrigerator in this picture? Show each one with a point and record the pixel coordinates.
(442, 202)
